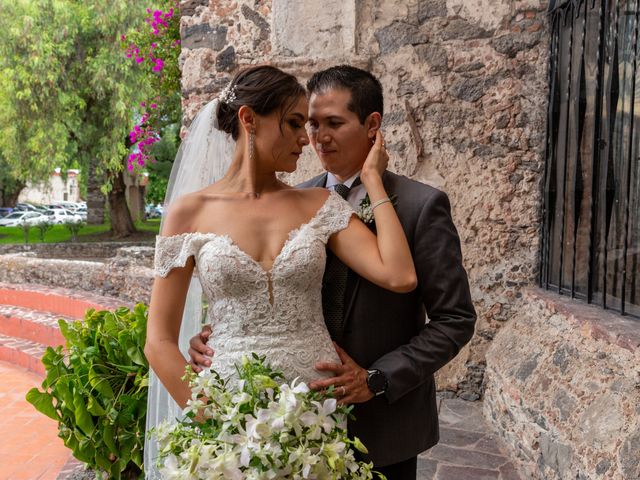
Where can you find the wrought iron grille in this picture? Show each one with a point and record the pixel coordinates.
(591, 216)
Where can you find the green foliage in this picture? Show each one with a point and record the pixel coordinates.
(164, 153)
(43, 228)
(57, 234)
(64, 87)
(25, 227)
(97, 392)
(74, 228)
(164, 85)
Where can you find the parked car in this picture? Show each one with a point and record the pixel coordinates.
(153, 211)
(60, 215)
(4, 211)
(82, 212)
(36, 219)
(70, 206)
(25, 207)
(15, 219)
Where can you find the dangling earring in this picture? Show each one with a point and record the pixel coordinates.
(252, 141)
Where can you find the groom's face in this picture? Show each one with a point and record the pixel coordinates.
(340, 140)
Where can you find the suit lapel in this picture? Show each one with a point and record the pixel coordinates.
(357, 279)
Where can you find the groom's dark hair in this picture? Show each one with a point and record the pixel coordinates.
(366, 90)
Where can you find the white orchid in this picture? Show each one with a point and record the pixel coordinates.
(257, 429)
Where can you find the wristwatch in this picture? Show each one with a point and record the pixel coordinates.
(377, 382)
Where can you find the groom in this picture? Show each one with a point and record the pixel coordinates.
(388, 353)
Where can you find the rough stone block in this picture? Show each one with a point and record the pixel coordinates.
(204, 36)
(513, 43)
(630, 453)
(434, 55)
(556, 455)
(460, 29)
(332, 35)
(258, 20)
(226, 60)
(431, 8)
(399, 34)
(471, 89)
(452, 472)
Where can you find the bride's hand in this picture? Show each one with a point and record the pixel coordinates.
(377, 160)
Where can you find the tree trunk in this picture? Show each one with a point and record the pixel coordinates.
(121, 222)
(95, 197)
(10, 192)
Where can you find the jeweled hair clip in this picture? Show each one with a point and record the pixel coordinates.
(228, 94)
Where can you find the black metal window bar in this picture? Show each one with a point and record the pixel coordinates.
(591, 216)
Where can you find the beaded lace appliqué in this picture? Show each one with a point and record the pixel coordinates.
(277, 313)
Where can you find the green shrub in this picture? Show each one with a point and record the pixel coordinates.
(25, 231)
(97, 390)
(74, 228)
(43, 228)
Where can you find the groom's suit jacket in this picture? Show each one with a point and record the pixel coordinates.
(387, 331)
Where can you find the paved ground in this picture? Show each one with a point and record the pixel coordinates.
(29, 447)
(468, 449)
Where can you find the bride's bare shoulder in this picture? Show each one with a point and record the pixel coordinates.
(182, 214)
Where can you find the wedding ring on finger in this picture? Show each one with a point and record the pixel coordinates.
(343, 391)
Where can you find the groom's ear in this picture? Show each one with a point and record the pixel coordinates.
(247, 118)
(373, 123)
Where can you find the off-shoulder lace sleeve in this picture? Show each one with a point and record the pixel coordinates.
(173, 252)
(334, 216)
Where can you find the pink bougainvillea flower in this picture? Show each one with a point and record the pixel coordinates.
(159, 65)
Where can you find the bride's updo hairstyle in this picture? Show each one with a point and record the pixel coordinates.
(265, 89)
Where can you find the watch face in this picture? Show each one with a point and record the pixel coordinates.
(376, 381)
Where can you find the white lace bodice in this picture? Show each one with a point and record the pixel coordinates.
(277, 313)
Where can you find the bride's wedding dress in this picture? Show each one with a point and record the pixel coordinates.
(276, 313)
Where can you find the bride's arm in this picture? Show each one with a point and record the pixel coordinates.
(163, 328)
(384, 259)
(168, 297)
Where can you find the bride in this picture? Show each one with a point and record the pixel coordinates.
(257, 246)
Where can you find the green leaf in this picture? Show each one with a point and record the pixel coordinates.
(83, 418)
(43, 403)
(109, 438)
(102, 462)
(86, 450)
(100, 384)
(94, 407)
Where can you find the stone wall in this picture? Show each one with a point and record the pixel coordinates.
(128, 275)
(563, 389)
(83, 250)
(465, 102)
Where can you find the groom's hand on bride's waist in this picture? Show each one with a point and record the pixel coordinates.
(349, 382)
(199, 353)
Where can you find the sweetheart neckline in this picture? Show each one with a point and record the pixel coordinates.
(290, 236)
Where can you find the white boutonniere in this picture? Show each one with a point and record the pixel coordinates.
(364, 209)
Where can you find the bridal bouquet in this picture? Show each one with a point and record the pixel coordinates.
(258, 429)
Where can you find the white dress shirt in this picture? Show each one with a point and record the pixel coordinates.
(355, 195)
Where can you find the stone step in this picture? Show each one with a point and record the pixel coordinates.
(29, 316)
(32, 325)
(54, 300)
(24, 353)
